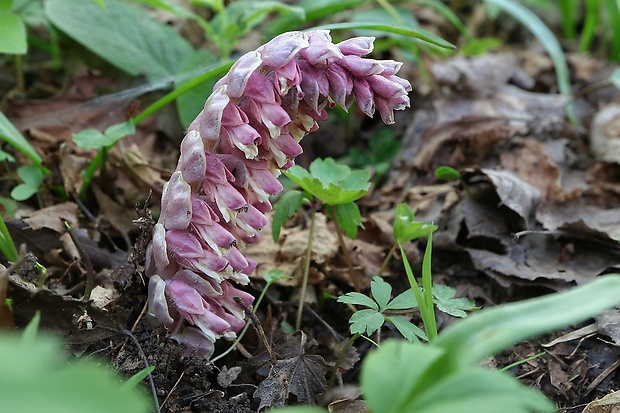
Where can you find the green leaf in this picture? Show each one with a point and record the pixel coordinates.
(456, 307)
(30, 174)
(477, 47)
(381, 291)
(489, 331)
(274, 275)
(135, 380)
(23, 191)
(191, 103)
(330, 182)
(12, 34)
(447, 173)
(366, 321)
(61, 386)
(403, 301)
(5, 156)
(409, 377)
(13, 137)
(409, 330)
(122, 34)
(348, 218)
(118, 131)
(419, 34)
(5, 5)
(358, 299)
(29, 335)
(89, 139)
(93, 139)
(406, 228)
(285, 208)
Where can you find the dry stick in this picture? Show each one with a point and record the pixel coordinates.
(134, 326)
(172, 390)
(90, 272)
(304, 282)
(343, 247)
(258, 328)
(387, 259)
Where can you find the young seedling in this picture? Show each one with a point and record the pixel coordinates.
(336, 186)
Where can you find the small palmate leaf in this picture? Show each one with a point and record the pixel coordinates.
(403, 301)
(285, 208)
(358, 299)
(443, 296)
(381, 291)
(409, 330)
(366, 321)
(349, 218)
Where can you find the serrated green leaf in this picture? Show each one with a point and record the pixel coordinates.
(456, 307)
(381, 291)
(89, 139)
(358, 299)
(406, 228)
(285, 208)
(330, 182)
(123, 34)
(366, 321)
(403, 301)
(409, 330)
(349, 218)
(12, 34)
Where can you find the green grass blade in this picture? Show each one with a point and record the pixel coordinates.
(568, 14)
(535, 25)
(490, 331)
(447, 13)
(611, 8)
(590, 24)
(13, 137)
(419, 34)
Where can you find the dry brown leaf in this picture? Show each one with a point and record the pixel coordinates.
(606, 404)
(605, 134)
(516, 194)
(52, 217)
(71, 167)
(302, 375)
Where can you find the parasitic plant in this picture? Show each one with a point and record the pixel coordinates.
(248, 132)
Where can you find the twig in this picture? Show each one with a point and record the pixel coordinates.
(172, 390)
(259, 329)
(304, 282)
(340, 358)
(146, 365)
(90, 272)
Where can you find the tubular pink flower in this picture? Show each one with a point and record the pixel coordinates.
(248, 131)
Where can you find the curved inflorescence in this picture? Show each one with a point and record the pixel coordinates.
(230, 159)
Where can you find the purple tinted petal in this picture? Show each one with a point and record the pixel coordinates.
(205, 287)
(283, 48)
(176, 203)
(240, 73)
(358, 46)
(159, 248)
(209, 121)
(158, 306)
(192, 161)
(185, 298)
(196, 342)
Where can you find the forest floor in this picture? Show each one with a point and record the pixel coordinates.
(537, 211)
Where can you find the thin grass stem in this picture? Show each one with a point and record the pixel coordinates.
(304, 282)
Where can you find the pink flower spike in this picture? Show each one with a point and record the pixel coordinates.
(209, 121)
(158, 307)
(206, 287)
(240, 73)
(195, 341)
(192, 161)
(357, 46)
(159, 249)
(283, 48)
(176, 203)
(321, 51)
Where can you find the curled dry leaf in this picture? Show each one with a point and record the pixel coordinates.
(52, 217)
(605, 134)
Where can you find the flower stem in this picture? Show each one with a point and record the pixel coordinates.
(343, 247)
(340, 358)
(387, 259)
(304, 282)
